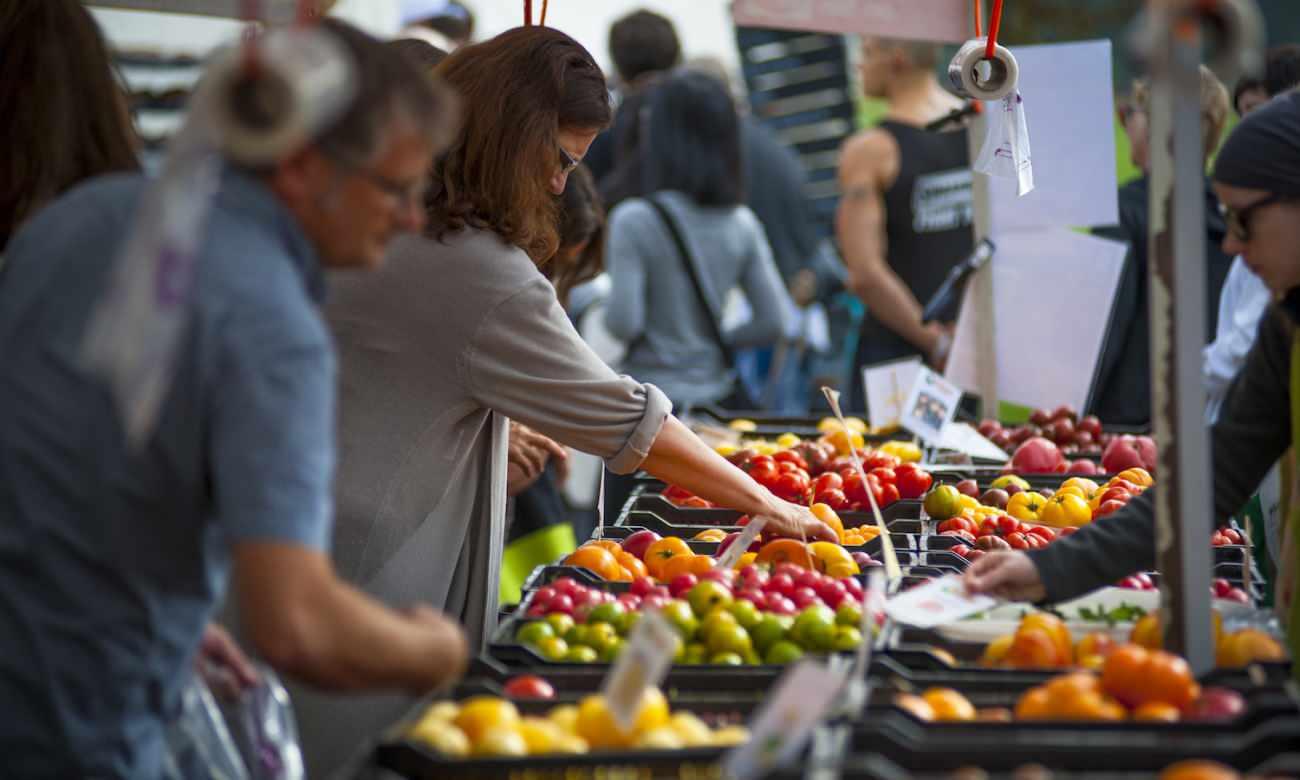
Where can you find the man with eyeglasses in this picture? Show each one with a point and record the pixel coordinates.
(1257, 178)
(114, 557)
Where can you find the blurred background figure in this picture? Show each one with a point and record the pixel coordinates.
(904, 218)
(1123, 387)
(445, 24)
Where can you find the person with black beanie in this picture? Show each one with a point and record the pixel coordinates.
(1257, 178)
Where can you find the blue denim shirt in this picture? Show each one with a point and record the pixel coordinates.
(112, 560)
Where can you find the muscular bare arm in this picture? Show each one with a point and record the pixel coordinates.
(868, 166)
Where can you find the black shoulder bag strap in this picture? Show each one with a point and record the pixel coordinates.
(688, 260)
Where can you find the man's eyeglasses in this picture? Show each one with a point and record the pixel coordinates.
(1239, 220)
(567, 163)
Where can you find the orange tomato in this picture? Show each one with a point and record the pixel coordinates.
(1034, 705)
(699, 564)
(917, 706)
(1056, 629)
(1138, 476)
(824, 513)
(1146, 632)
(710, 535)
(949, 704)
(608, 544)
(1033, 648)
(596, 558)
(1248, 646)
(785, 550)
(996, 651)
(663, 550)
(1168, 678)
(1199, 769)
(676, 566)
(745, 560)
(634, 565)
(1122, 674)
(1157, 711)
(1096, 644)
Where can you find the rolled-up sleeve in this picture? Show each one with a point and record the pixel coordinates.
(527, 361)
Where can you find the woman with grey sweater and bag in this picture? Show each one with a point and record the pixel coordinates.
(675, 255)
(459, 333)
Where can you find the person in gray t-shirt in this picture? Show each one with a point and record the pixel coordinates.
(113, 557)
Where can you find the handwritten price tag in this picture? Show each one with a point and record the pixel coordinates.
(741, 544)
(642, 664)
(937, 603)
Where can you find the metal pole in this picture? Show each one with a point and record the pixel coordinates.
(1184, 509)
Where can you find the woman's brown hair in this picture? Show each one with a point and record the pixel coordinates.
(518, 91)
(65, 115)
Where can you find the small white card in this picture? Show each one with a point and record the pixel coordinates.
(939, 601)
(963, 438)
(887, 385)
(642, 664)
(930, 405)
(741, 545)
(801, 699)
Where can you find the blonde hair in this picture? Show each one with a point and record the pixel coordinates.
(1215, 105)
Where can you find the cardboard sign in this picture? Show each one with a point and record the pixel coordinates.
(930, 404)
(801, 699)
(642, 664)
(947, 21)
(937, 602)
(887, 385)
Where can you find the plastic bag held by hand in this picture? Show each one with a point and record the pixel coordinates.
(1006, 145)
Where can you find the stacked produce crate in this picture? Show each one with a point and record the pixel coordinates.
(1080, 690)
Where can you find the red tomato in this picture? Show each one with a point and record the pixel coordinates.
(876, 459)
(786, 467)
(961, 549)
(1067, 531)
(762, 460)
(674, 493)
(1043, 532)
(790, 456)
(1107, 508)
(888, 495)
(528, 686)
(765, 474)
(912, 481)
(1035, 541)
(831, 497)
(1232, 535)
(854, 489)
(1017, 541)
(695, 502)
(789, 486)
(1007, 525)
(885, 475)
(957, 524)
(989, 527)
(1115, 494)
(828, 481)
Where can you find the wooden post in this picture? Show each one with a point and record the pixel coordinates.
(982, 293)
(1177, 315)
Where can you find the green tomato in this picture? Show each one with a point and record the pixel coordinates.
(578, 635)
(848, 615)
(814, 628)
(746, 614)
(553, 648)
(613, 650)
(847, 639)
(728, 639)
(534, 632)
(718, 618)
(770, 630)
(560, 622)
(582, 654)
(782, 653)
(696, 653)
(612, 612)
(727, 659)
(679, 615)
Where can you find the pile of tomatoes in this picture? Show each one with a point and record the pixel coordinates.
(1003, 532)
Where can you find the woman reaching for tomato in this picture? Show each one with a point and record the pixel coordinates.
(460, 332)
(1257, 177)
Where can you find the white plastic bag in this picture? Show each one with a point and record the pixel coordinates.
(1006, 144)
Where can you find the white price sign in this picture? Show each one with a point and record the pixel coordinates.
(801, 699)
(642, 664)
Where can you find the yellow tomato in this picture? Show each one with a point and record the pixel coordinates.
(745, 560)
(1026, 506)
(711, 535)
(842, 443)
(832, 559)
(1065, 509)
(480, 713)
(596, 724)
(744, 426)
(1138, 476)
(726, 449)
(787, 440)
(903, 450)
(1071, 490)
(1086, 485)
(824, 513)
(968, 502)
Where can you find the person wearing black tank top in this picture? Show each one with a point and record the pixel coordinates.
(904, 218)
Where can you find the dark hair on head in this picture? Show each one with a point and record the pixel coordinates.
(389, 88)
(1281, 69)
(65, 116)
(1245, 84)
(582, 227)
(643, 42)
(422, 54)
(519, 90)
(692, 141)
(456, 22)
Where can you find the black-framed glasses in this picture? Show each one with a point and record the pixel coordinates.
(567, 163)
(1238, 220)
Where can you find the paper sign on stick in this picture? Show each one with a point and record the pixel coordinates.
(801, 699)
(946, 21)
(642, 664)
(939, 601)
(930, 405)
(887, 385)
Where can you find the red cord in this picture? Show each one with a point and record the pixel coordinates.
(978, 13)
(251, 10)
(995, 21)
(544, 4)
(528, 13)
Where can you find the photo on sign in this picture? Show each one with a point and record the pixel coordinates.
(930, 409)
(931, 403)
